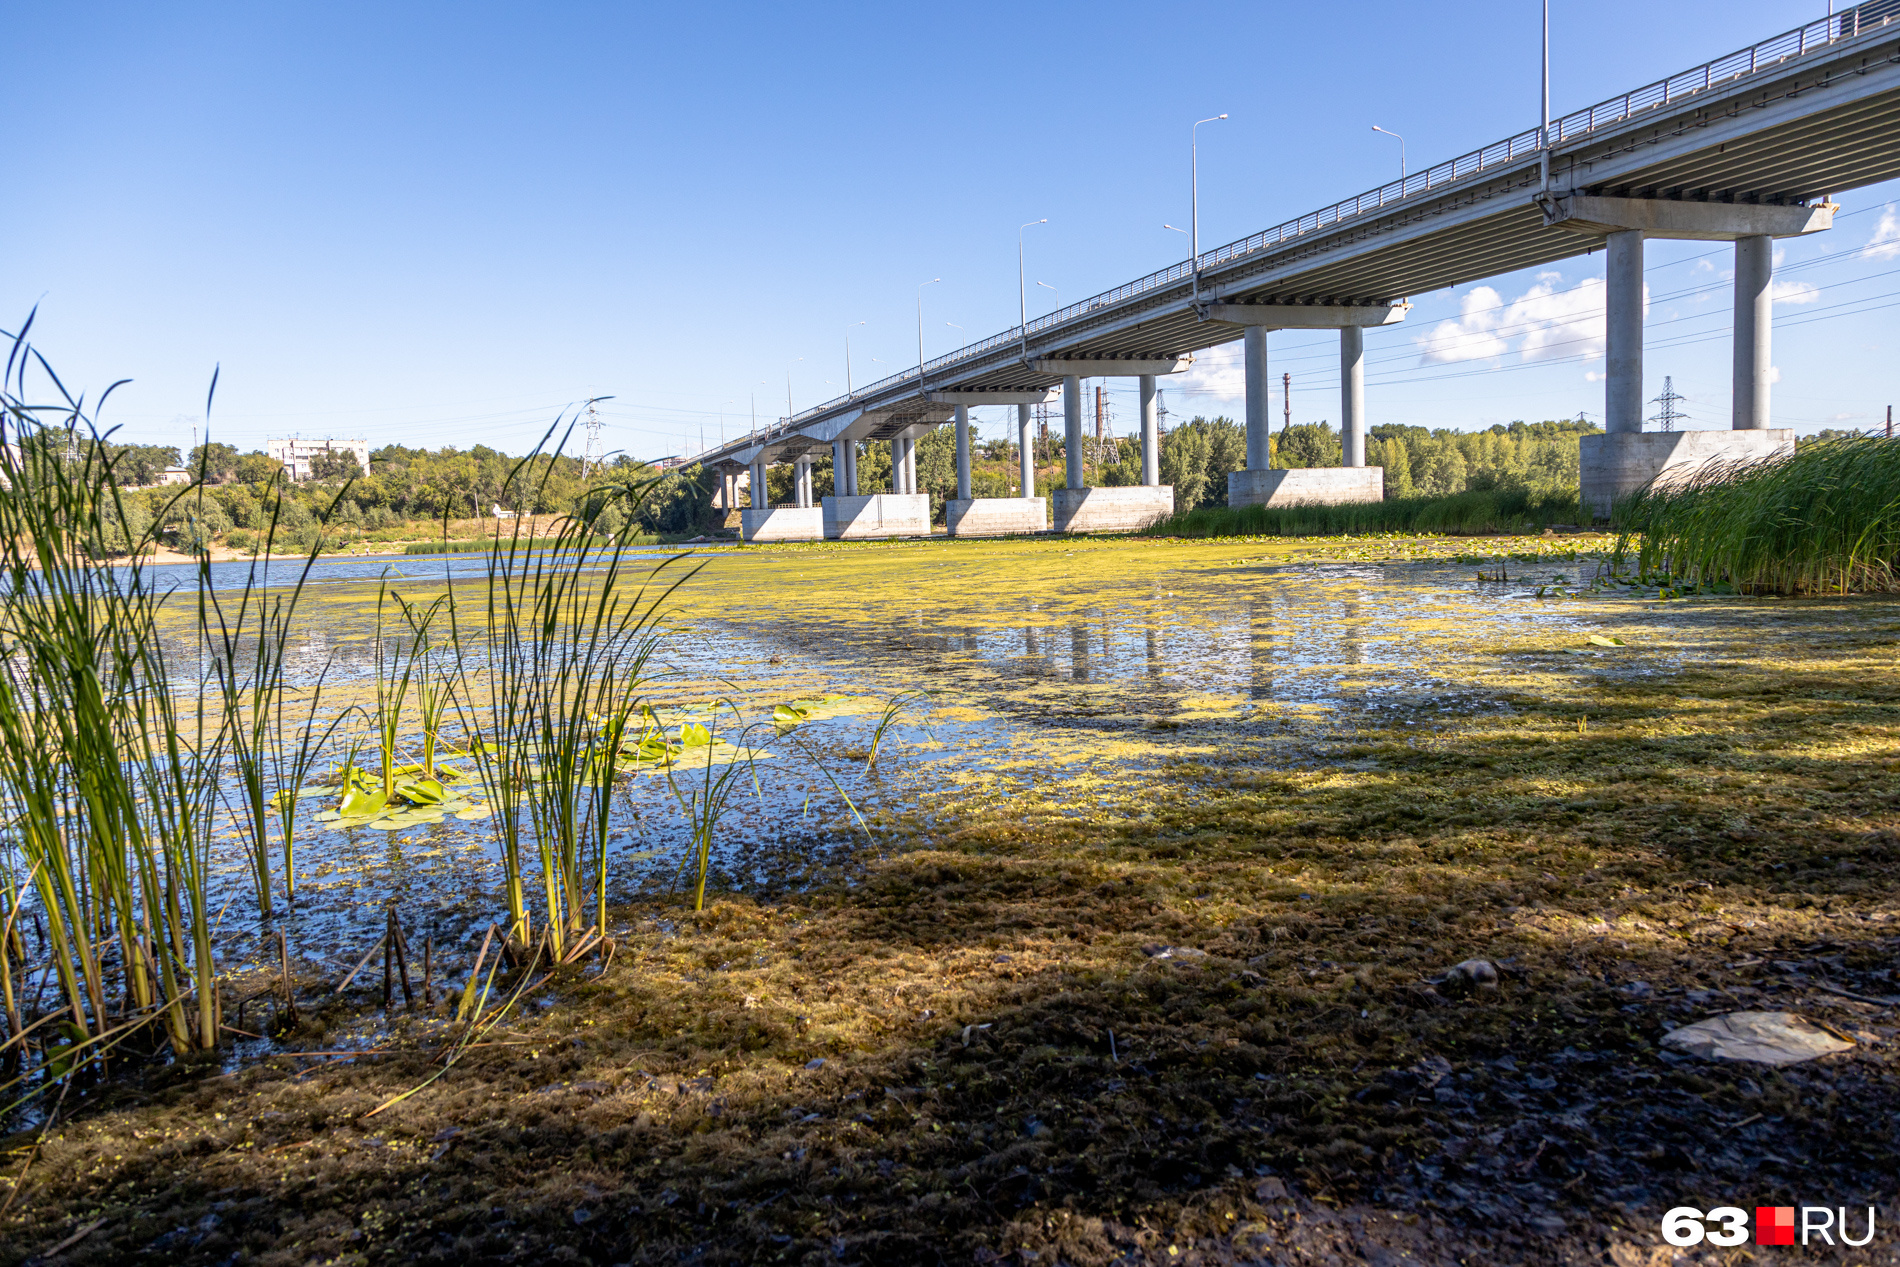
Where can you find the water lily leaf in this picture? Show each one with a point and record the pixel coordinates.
(360, 802)
(788, 714)
(718, 752)
(473, 813)
(1599, 640)
(824, 707)
(694, 735)
(423, 792)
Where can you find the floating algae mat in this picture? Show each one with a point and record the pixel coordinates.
(881, 686)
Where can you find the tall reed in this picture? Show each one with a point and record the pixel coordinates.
(254, 623)
(109, 761)
(561, 678)
(1825, 519)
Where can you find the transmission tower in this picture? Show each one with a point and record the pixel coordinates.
(593, 458)
(1669, 415)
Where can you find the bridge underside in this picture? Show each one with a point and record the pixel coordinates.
(1819, 123)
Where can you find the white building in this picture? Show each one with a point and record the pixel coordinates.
(297, 453)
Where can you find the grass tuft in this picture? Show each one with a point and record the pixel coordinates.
(1495, 510)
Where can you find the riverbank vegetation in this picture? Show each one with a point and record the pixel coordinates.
(1824, 520)
(407, 497)
(1513, 510)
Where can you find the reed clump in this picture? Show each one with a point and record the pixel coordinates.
(142, 713)
(1468, 513)
(1823, 520)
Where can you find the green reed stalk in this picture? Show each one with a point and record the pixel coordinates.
(432, 684)
(254, 699)
(108, 762)
(1825, 519)
(565, 655)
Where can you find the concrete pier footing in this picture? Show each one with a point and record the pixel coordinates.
(783, 523)
(1306, 486)
(996, 516)
(877, 515)
(1616, 465)
(1126, 509)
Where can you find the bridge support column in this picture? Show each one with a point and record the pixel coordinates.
(1352, 396)
(801, 483)
(1258, 429)
(1626, 460)
(963, 453)
(1072, 430)
(1025, 453)
(910, 464)
(1623, 332)
(897, 465)
(760, 498)
(729, 489)
(1150, 434)
(1754, 321)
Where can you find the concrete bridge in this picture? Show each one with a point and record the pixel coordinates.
(1745, 148)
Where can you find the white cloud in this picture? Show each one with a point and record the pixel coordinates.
(1774, 373)
(1472, 336)
(1794, 292)
(1885, 244)
(1219, 372)
(1547, 322)
(1847, 417)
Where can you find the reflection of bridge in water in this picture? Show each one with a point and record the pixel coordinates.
(1744, 148)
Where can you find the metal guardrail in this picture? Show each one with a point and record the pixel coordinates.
(1768, 54)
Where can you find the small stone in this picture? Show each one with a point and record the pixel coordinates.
(1769, 1038)
(816, 1063)
(1469, 976)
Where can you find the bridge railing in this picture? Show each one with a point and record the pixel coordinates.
(1767, 55)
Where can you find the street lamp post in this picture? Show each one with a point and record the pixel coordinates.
(1543, 131)
(1022, 291)
(1194, 198)
(1052, 290)
(1401, 140)
(920, 328)
(847, 357)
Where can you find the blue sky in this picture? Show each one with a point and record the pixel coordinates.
(440, 224)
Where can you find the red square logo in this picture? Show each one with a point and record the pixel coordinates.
(1774, 1225)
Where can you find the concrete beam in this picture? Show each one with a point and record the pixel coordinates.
(1694, 221)
(1001, 396)
(1111, 367)
(1307, 316)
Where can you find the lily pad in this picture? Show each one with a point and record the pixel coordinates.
(825, 707)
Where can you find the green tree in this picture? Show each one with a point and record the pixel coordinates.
(335, 466)
(1397, 461)
(1445, 472)
(213, 463)
(256, 468)
(1310, 444)
(140, 465)
(1184, 465)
